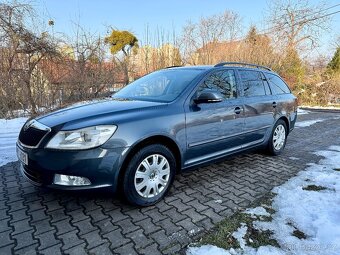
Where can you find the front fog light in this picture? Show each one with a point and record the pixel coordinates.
(69, 180)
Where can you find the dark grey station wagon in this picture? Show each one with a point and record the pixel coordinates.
(167, 121)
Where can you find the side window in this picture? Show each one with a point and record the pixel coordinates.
(223, 81)
(277, 85)
(252, 83)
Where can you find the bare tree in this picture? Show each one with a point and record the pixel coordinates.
(22, 50)
(297, 25)
(223, 27)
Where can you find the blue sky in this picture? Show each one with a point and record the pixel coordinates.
(97, 15)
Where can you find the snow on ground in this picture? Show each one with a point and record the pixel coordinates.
(307, 123)
(207, 250)
(259, 211)
(9, 131)
(299, 207)
(302, 112)
(329, 107)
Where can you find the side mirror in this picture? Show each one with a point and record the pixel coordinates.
(208, 96)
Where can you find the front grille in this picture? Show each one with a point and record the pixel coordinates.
(32, 175)
(32, 135)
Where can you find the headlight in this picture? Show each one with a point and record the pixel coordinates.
(81, 139)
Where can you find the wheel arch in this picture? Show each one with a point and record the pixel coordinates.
(155, 139)
(285, 119)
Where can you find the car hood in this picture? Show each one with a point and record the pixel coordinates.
(90, 112)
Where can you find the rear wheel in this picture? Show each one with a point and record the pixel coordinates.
(149, 175)
(278, 138)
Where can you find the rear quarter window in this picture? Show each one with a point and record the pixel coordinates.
(277, 85)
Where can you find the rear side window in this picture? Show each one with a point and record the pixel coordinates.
(253, 84)
(223, 81)
(277, 85)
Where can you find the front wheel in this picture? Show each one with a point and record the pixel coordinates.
(149, 175)
(278, 138)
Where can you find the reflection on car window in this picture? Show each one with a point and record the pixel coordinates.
(277, 85)
(164, 85)
(252, 83)
(223, 81)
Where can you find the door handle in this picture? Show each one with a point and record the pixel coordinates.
(274, 104)
(237, 110)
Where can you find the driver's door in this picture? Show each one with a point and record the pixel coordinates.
(212, 128)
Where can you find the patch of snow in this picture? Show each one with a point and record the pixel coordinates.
(330, 107)
(259, 211)
(293, 158)
(302, 112)
(219, 201)
(307, 123)
(207, 250)
(9, 131)
(239, 235)
(315, 213)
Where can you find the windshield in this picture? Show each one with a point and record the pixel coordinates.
(164, 85)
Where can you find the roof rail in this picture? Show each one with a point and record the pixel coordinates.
(172, 66)
(242, 64)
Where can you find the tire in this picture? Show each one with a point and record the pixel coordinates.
(278, 139)
(149, 175)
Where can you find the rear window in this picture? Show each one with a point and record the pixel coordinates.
(252, 83)
(277, 85)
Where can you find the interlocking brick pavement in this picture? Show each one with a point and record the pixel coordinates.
(35, 220)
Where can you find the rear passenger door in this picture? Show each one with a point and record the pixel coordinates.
(259, 106)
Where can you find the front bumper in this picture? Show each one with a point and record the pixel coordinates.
(100, 165)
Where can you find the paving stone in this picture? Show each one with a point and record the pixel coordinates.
(27, 250)
(79, 249)
(101, 249)
(148, 226)
(152, 249)
(77, 215)
(174, 215)
(116, 238)
(139, 239)
(97, 215)
(24, 239)
(43, 226)
(179, 205)
(8, 249)
(63, 226)
(126, 249)
(195, 216)
(47, 239)
(4, 225)
(85, 226)
(55, 250)
(189, 226)
(162, 239)
(127, 226)
(155, 215)
(93, 239)
(105, 226)
(70, 239)
(212, 215)
(5, 238)
(117, 215)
